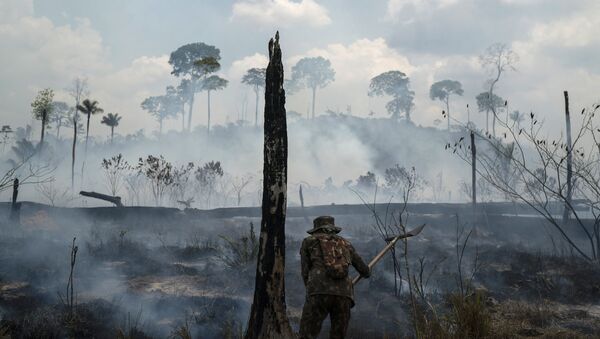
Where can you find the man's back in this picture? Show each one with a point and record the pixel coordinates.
(325, 258)
(314, 270)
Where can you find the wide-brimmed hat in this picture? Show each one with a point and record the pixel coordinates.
(324, 223)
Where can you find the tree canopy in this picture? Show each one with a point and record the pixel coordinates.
(442, 90)
(397, 85)
(184, 58)
(111, 120)
(313, 72)
(214, 83)
(42, 106)
(485, 103)
(89, 107)
(255, 77)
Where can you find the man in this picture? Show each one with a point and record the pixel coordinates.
(325, 257)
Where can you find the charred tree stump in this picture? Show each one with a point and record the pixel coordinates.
(302, 204)
(109, 198)
(473, 172)
(268, 317)
(15, 207)
(569, 160)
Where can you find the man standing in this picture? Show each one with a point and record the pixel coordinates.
(325, 258)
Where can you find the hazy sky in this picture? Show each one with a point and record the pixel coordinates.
(122, 47)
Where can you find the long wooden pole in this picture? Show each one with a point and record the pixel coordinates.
(473, 172)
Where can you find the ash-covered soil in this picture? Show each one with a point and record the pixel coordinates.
(151, 277)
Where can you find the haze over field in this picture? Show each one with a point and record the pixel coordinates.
(123, 50)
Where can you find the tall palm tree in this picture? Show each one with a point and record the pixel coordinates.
(89, 108)
(111, 120)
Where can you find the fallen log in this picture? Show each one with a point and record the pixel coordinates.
(109, 198)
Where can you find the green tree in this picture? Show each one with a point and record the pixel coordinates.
(212, 83)
(111, 120)
(78, 90)
(255, 77)
(487, 104)
(185, 93)
(42, 109)
(517, 117)
(163, 107)
(183, 60)
(89, 108)
(60, 113)
(397, 85)
(152, 106)
(312, 73)
(497, 59)
(442, 90)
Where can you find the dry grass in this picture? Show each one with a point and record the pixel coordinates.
(545, 319)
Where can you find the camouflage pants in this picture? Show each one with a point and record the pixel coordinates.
(316, 309)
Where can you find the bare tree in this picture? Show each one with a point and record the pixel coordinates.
(239, 184)
(207, 178)
(182, 180)
(114, 169)
(534, 171)
(78, 89)
(159, 172)
(497, 59)
(53, 195)
(28, 172)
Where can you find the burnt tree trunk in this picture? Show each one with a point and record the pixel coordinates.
(109, 198)
(75, 120)
(268, 317)
(473, 172)
(569, 160)
(302, 204)
(15, 207)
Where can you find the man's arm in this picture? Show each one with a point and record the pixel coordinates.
(305, 260)
(359, 264)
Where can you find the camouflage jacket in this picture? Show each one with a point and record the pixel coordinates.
(313, 270)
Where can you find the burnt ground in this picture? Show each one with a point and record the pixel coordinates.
(157, 273)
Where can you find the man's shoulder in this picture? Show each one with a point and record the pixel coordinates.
(315, 238)
(311, 239)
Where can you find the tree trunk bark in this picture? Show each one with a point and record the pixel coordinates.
(112, 134)
(314, 95)
(44, 117)
(569, 160)
(268, 317)
(190, 108)
(73, 150)
(448, 110)
(208, 104)
(182, 119)
(87, 136)
(473, 173)
(302, 204)
(112, 199)
(15, 208)
(256, 89)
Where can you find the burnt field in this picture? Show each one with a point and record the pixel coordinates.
(142, 272)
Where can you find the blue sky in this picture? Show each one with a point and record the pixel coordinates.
(122, 47)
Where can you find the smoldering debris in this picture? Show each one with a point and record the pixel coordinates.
(196, 276)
